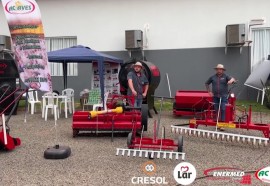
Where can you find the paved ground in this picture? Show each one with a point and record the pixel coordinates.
(93, 160)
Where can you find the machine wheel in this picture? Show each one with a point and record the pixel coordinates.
(75, 133)
(144, 114)
(129, 140)
(174, 105)
(180, 144)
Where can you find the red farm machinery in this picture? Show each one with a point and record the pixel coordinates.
(199, 104)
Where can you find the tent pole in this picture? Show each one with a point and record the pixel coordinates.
(65, 74)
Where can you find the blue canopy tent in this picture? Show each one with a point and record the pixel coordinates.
(82, 54)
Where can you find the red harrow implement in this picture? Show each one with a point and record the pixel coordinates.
(153, 147)
(6, 141)
(209, 118)
(112, 120)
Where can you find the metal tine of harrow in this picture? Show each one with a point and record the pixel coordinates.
(228, 138)
(158, 154)
(198, 133)
(265, 142)
(146, 154)
(185, 131)
(152, 154)
(134, 153)
(128, 154)
(170, 155)
(176, 156)
(183, 156)
(117, 152)
(208, 134)
(213, 135)
(254, 141)
(164, 155)
(181, 131)
(233, 137)
(123, 152)
(223, 136)
(140, 153)
(248, 140)
(260, 141)
(243, 140)
(238, 138)
(173, 130)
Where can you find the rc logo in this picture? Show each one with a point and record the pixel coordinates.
(184, 173)
(263, 174)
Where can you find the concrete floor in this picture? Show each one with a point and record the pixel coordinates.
(93, 160)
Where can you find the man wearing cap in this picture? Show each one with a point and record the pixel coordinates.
(220, 82)
(137, 84)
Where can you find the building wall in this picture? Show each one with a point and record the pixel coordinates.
(186, 37)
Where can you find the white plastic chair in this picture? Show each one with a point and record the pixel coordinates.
(70, 99)
(33, 100)
(93, 98)
(100, 105)
(51, 102)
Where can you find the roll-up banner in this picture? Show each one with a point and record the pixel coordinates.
(26, 30)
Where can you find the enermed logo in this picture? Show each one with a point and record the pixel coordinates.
(263, 174)
(184, 173)
(19, 7)
(228, 174)
(149, 168)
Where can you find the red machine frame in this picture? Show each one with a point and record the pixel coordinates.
(208, 118)
(154, 143)
(130, 119)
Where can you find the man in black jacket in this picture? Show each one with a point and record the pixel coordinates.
(220, 82)
(137, 84)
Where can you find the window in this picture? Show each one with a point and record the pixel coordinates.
(56, 43)
(260, 46)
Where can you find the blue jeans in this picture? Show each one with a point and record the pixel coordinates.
(138, 102)
(224, 101)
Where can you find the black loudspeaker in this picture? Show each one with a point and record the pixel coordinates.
(235, 34)
(134, 39)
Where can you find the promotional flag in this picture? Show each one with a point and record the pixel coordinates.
(26, 30)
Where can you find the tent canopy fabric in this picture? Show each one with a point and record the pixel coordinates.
(82, 54)
(259, 75)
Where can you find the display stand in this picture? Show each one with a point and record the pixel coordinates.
(110, 75)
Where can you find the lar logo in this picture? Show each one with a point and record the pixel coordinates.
(263, 174)
(20, 7)
(184, 173)
(149, 168)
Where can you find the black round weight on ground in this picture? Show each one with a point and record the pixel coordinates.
(129, 139)
(57, 152)
(180, 144)
(144, 114)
